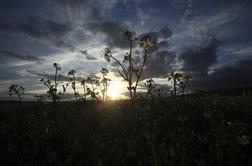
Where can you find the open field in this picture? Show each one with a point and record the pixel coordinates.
(175, 131)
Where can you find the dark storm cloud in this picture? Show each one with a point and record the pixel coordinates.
(160, 60)
(36, 27)
(159, 64)
(84, 52)
(63, 77)
(164, 33)
(233, 75)
(113, 32)
(9, 55)
(89, 8)
(33, 33)
(87, 55)
(10, 73)
(198, 59)
(74, 4)
(62, 44)
(158, 46)
(48, 76)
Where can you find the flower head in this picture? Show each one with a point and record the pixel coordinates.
(71, 72)
(145, 42)
(243, 140)
(56, 66)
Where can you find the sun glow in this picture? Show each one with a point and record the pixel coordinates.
(114, 90)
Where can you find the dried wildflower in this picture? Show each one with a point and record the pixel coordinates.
(127, 69)
(244, 140)
(53, 90)
(145, 42)
(17, 90)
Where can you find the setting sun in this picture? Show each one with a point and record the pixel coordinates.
(114, 90)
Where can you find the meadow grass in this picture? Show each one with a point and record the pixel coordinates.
(181, 131)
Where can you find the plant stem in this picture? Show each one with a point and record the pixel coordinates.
(140, 73)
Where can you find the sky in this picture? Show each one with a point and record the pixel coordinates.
(210, 40)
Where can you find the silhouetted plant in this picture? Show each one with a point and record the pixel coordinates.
(127, 70)
(145, 43)
(160, 91)
(153, 90)
(18, 90)
(150, 88)
(53, 92)
(184, 83)
(40, 98)
(92, 91)
(105, 81)
(176, 78)
(73, 83)
(84, 86)
(179, 81)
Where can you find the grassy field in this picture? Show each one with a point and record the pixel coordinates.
(183, 131)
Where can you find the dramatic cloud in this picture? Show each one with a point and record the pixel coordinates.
(80, 8)
(158, 46)
(145, 15)
(63, 77)
(112, 32)
(181, 4)
(36, 27)
(87, 56)
(160, 60)
(198, 59)
(240, 50)
(233, 75)
(159, 64)
(48, 76)
(64, 45)
(8, 55)
(164, 33)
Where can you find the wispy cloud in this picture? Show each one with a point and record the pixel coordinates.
(87, 55)
(8, 55)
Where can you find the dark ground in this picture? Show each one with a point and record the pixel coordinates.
(185, 131)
